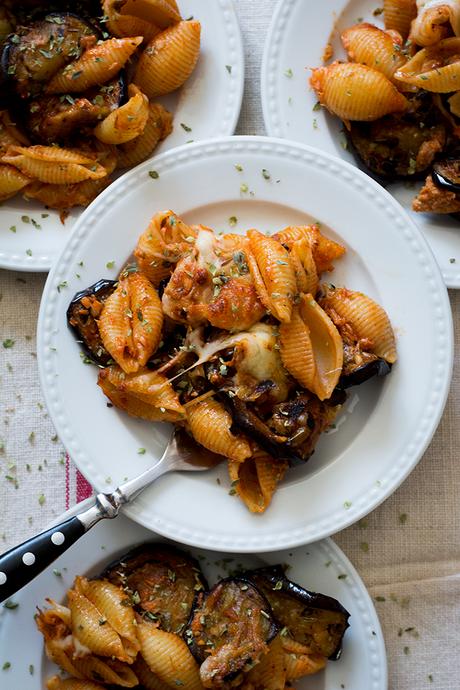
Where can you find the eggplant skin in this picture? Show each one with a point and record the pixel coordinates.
(56, 118)
(161, 581)
(315, 620)
(33, 54)
(229, 629)
(376, 367)
(446, 174)
(82, 314)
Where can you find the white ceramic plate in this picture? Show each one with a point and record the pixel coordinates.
(295, 42)
(209, 104)
(362, 665)
(387, 424)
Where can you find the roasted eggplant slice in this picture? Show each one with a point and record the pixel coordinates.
(229, 630)
(374, 367)
(56, 118)
(82, 315)
(400, 145)
(161, 581)
(315, 620)
(446, 174)
(38, 50)
(293, 428)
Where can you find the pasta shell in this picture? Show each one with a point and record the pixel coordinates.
(64, 196)
(148, 680)
(368, 319)
(436, 68)
(147, 387)
(108, 599)
(256, 478)
(127, 122)
(162, 13)
(96, 66)
(398, 15)
(356, 92)
(270, 672)
(158, 127)
(299, 660)
(272, 273)
(11, 181)
(53, 164)
(432, 21)
(324, 250)
(57, 683)
(210, 423)
(296, 350)
(369, 45)
(125, 25)
(100, 639)
(168, 657)
(304, 266)
(169, 59)
(327, 346)
(166, 239)
(131, 322)
(109, 671)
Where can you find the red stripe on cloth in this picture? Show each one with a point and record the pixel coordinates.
(84, 488)
(67, 481)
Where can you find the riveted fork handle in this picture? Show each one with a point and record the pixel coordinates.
(23, 563)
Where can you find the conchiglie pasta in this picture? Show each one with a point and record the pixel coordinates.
(168, 657)
(125, 25)
(131, 322)
(169, 59)
(11, 181)
(272, 273)
(108, 599)
(369, 45)
(96, 66)
(356, 92)
(64, 196)
(434, 20)
(126, 122)
(296, 350)
(54, 165)
(157, 128)
(57, 683)
(270, 672)
(146, 389)
(101, 640)
(398, 15)
(108, 671)
(147, 679)
(163, 243)
(368, 319)
(304, 265)
(256, 478)
(209, 423)
(436, 68)
(299, 661)
(162, 13)
(324, 250)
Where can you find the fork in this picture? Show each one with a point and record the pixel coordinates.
(23, 563)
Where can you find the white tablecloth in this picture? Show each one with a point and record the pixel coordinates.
(407, 551)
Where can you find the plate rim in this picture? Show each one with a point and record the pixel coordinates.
(365, 607)
(422, 435)
(270, 104)
(43, 264)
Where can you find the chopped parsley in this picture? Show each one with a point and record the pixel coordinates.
(288, 73)
(9, 342)
(10, 604)
(232, 221)
(185, 127)
(265, 174)
(228, 68)
(153, 174)
(141, 451)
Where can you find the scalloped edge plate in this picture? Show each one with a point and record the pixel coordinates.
(296, 39)
(362, 665)
(386, 425)
(208, 105)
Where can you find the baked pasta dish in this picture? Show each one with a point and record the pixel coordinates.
(399, 97)
(234, 338)
(79, 90)
(151, 621)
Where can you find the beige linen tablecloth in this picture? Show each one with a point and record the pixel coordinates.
(407, 551)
